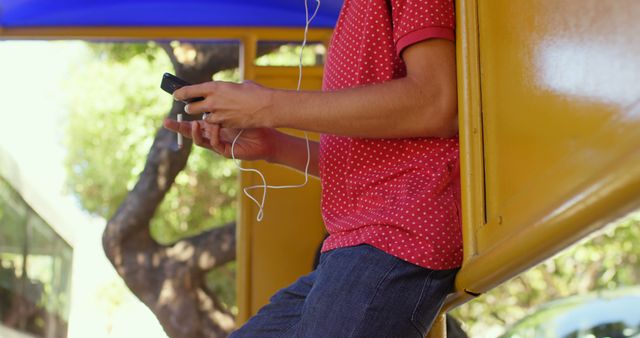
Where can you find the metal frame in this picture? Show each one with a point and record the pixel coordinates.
(608, 196)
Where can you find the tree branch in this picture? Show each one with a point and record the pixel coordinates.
(170, 279)
(210, 249)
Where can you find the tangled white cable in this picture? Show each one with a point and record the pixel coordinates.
(264, 186)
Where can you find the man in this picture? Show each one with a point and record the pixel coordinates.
(387, 160)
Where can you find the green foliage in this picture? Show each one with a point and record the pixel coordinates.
(607, 260)
(289, 55)
(123, 52)
(116, 107)
(220, 281)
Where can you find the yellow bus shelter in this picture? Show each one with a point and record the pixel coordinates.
(549, 107)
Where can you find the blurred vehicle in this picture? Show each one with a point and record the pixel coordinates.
(36, 261)
(607, 313)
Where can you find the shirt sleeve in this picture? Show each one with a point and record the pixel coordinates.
(419, 20)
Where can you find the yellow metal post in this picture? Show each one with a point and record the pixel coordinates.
(248, 48)
(470, 120)
(439, 327)
(277, 250)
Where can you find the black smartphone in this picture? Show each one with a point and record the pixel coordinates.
(170, 83)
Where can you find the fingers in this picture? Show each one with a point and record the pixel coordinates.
(215, 118)
(196, 108)
(214, 138)
(196, 134)
(206, 135)
(183, 128)
(193, 91)
(190, 129)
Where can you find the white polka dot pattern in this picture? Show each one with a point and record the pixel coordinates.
(400, 195)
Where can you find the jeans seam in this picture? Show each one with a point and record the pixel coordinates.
(384, 278)
(425, 286)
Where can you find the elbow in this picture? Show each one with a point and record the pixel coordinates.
(450, 123)
(449, 128)
(436, 109)
(441, 120)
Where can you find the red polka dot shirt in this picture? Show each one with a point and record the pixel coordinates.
(399, 195)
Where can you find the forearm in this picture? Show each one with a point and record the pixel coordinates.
(421, 104)
(292, 152)
(395, 109)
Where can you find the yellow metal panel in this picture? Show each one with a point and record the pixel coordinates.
(560, 101)
(614, 193)
(281, 248)
(560, 115)
(287, 77)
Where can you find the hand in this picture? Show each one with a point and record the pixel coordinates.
(253, 144)
(230, 105)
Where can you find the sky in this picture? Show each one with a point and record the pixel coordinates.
(33, 112)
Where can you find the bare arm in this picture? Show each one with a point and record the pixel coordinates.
(254, 144)
(291, 151)
(422, 104)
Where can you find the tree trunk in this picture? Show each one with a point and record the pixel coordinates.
(169, 279)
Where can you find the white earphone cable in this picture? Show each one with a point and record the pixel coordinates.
(264, 186)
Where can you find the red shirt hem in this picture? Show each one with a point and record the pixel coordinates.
(420, 257)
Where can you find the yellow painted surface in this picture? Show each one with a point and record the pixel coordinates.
(280, 248)
(470, 124)
(439, 327)
(128, 33)
(560, 100)
(560, 115)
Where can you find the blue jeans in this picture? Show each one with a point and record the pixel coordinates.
(356, 291)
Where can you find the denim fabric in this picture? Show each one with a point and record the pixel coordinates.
(356, 291)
